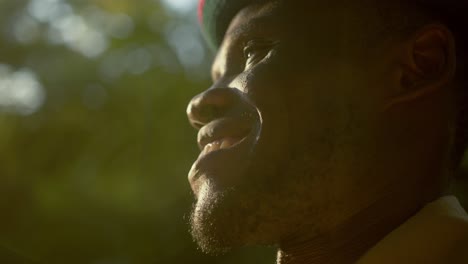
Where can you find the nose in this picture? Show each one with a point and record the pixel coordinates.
(211, 104)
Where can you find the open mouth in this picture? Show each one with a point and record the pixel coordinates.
(225, 146)
(224, 143)
(222, 134)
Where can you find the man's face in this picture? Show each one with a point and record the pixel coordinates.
(290, 127)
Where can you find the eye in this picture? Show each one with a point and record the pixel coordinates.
(256, 50)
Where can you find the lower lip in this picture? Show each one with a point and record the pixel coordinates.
(224, 166)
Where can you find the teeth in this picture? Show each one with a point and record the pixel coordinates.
(227, 142)
(219, 144)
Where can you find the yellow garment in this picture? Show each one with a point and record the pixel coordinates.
(438, 234)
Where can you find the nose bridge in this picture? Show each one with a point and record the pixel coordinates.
(212, 103)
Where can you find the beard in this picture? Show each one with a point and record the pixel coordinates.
(225, 219)
(215, 224)
(287, 188)
(268, 205)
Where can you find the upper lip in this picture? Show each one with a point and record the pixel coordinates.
(223, 128)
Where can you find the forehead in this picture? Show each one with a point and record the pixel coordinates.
(300, 19)
(255, 15)
(254, 21)
(312, 29)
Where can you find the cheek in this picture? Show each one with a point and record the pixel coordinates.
(264, 85)
(329, 101)
(301, 111)
(316, 113)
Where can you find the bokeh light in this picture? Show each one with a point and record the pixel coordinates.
(181, 6)
(20, 91)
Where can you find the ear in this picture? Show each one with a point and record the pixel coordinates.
(427, 64)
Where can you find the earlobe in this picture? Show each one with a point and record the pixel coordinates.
(428, 64)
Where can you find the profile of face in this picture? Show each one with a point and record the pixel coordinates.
(295, 132)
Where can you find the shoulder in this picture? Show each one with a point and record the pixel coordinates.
(437, 234)
(459, 252)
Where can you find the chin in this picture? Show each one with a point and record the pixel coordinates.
(270, 203)
(218, 219)
(231, 218)
(257, 207)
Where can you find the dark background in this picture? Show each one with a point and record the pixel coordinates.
(94, 142)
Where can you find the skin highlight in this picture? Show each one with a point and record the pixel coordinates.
(336, 156)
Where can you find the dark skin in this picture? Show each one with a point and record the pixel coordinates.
(314, 142)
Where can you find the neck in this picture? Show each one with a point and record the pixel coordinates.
(345, 245)
(349, 241)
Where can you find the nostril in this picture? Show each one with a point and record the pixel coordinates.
(209, 105)
(208, 112)
(202, 115)
(205, 114)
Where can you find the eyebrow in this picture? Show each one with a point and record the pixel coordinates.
(257, 24)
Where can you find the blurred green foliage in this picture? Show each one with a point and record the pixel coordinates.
(94, 156)
(96, 171)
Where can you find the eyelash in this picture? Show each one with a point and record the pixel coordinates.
(255, 46)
